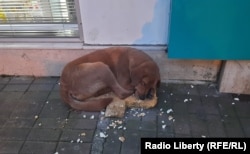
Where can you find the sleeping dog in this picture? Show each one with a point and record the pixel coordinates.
(121, 70)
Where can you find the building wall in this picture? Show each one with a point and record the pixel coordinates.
(125, 21)
(44, 62)
(107, 23)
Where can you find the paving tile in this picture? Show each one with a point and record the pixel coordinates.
(209, 90)
(104, 123)
(184, 136)
(41, 87)
(38, 147)
(7, 97)
(35, 96)
(183, 89)
(148, 126)
(164, 134)
(177, 98)
(198, 125)
(2, 86)
(165, 125)
(242, 109)
(180, 108)
(195, 106)
(56, 87)
(27, 110)
(2, 122)
(73, 148)
(226, 108)
(132, 143)
(21, 80)
(246, 127)
(150, 115)
(45, 80)
(13, 134)
(233, 127)
(42, 134)
(181, 125)
(54, 109)
(132, 114)
(215, 126)
(81, 124)
(8, 101)
(132, 124)
(4, 80)
(54, 95)
(242, 97)
(83, 115)
(148, 134)
(37, 121)
(113, 141)
(70, 135)
(5, 112)
(97, 145)
(52, 123)
(16, 87)
(164, 89)
(10, 147)
(19, 123)
(210, 105)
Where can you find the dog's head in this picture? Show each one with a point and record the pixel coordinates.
(146, 79)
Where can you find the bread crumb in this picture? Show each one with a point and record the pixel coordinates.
(141, 115)
(164, 126)
(170, 118)
(92, 117)
(169, 111)
(83, 134)
(122, 139)
(102, 135)
(236, 99)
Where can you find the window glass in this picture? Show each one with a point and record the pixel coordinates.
(38, 18)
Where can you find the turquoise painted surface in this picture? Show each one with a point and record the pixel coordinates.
(152, 31)
(210, 29)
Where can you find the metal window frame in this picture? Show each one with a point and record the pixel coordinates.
(24, 41)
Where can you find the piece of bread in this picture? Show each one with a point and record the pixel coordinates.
(133, 102)
(118, 106)
(116, 109)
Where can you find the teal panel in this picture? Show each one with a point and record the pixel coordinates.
(209, 29)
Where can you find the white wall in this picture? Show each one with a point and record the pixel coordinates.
(132, 22)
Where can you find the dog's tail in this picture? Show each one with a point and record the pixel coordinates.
(95, 104)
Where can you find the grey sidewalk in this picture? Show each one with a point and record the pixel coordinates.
(34, 120)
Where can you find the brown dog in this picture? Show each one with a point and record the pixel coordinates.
(122, 70)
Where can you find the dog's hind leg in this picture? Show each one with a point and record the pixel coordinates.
(102, 78)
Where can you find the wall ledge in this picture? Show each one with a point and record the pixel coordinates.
(71, 45)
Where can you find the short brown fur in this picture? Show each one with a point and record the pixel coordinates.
(122, 70)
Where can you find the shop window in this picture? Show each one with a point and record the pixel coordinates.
(38, 19)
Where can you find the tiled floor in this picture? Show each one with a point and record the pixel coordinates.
(33, 119)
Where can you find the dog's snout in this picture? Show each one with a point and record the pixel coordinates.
(149, 94)
(142, 97)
